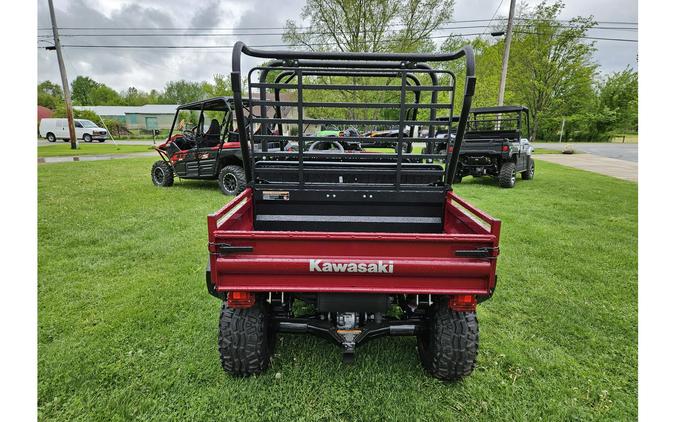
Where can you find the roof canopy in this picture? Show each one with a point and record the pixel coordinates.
(211, 104)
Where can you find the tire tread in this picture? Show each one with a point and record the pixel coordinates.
(505, 174)
(450, 350)
(243, 340)
(168, 173)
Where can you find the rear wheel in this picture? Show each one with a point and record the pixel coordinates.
(86, 137)
(507, 175)
(449, 347)
(245, 340)
(232, 180)
(51, 137)
(529, 173)
(162, 174)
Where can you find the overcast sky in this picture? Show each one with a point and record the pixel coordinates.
(148, 69)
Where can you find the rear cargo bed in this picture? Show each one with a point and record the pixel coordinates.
(458, 259)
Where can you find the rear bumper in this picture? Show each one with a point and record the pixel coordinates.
(413, 276)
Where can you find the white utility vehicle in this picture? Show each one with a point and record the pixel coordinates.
(88, 131)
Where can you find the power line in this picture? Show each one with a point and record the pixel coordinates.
(206, 47)
(168, 35)
(560, 23)
(209, 47)
(493, 16)
(97, 28)
(582, 37)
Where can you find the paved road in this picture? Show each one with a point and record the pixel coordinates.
(70, 159)
(43, 142)
(626, 152)
(621, 169)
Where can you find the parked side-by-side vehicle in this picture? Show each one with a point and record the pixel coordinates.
(370, 244)
(207, 150)
(496, 144)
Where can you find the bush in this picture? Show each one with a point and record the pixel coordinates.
(116, 128)
(590, 126)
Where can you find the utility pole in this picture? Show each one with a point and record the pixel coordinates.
(505, 59)
(64, 78)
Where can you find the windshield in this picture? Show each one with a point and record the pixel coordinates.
(87, 123)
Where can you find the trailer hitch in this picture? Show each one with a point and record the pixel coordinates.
(348, 342)
(349, 339)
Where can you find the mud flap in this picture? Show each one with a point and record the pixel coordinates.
(209, 285)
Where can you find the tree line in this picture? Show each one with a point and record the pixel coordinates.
(87, 92)
(551, 68)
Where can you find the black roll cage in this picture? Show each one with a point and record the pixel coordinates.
(204, 105)
(224, 104)
(403, 65)
(499, 111)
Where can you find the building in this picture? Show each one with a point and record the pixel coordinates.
(146, 117)
(44, 113)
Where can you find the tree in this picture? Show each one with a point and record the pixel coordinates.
(104, 95)
(550, 63)
(220, 87)
(86, 91)
(619, 93)
(488, 67)
(181, 92)
(366, 26)
(133, 97)
(81, 90)
(376, 25)
(49, 94)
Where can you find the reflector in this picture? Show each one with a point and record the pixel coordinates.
(462, 303)
(240, 299)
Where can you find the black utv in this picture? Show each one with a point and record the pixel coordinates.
(496, 144)
(207, 150)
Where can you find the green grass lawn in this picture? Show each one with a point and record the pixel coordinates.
(61, 150)
(127, 329)
(546, 151)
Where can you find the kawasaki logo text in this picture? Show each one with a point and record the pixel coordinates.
(319, 266)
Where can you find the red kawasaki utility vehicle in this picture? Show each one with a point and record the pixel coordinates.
(208, 150)
(351, 246)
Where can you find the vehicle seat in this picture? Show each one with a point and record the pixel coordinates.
(212, 136)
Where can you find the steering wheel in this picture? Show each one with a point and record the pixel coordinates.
(314, 147)
(189, 134)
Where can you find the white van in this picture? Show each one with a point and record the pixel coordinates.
(88, 131)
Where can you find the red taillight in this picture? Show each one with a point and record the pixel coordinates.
(240, 299)
(462, 303)
(505, 148)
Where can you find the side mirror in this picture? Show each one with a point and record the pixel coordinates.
(233, 136)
